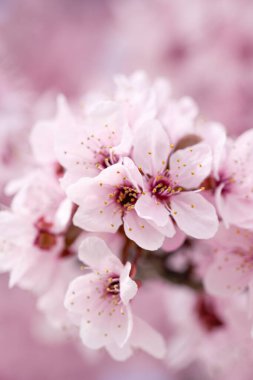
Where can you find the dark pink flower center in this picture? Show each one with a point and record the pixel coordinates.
(126, 196)
(45, 239)
(113, 286)
(105, 159)
(207, 315)
(162, 187)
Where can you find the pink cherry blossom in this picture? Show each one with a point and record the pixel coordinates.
(141, 98)
(101, 301)
(232, 184)
(231, 271)
(85, 142)
(179, 118)
(108, 200)
(218, 330)
(173, 181)
(32, 238)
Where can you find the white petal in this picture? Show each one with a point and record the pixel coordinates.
(149, 208)
(148, 339)
(227, 275)
(194, 215)
(128, 287)
(151, 147)
(233, 209)
(114, 325)
(119, 353)
(95, 253)
(190, 166)
(171, 244)
(141, 232)
(104, 219)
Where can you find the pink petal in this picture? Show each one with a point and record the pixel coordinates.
(171, 244)
(194, 215)
(234, 209)
(97, 212)
(141, 232)
(116, 174)
(228, 274)
(87, 191)
(128, 287)
(119, 353)
(190, 166)
(81, 294)
(167, 231)
(109, 327)
(151, 147)
(132, 172)
(148, 339)
(149, 208)
(95, 253)
(94, 219)
(214, 134)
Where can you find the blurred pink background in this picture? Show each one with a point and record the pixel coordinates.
(205, 48)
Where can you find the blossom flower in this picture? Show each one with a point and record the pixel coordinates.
(109, 199)
(86, 143)
(234, 185)
(140, 98)
(173, 180)
(51, 302)
(217, 328)
(231, 271)
(100, 300)
(32, 239)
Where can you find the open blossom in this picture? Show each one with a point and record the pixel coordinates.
(86, 143)
(218, 330)
(231, 271)
(140, 98)
(232, 182)
(100, 302)
(109, 199)
(32, 239)
(173, 181)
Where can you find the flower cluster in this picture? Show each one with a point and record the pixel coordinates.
(132, 187)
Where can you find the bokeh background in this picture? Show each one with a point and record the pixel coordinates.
(205, 49)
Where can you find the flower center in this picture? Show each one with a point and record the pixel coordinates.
(113, 286)
(126, 196)
(45, 239)
(106, 159)
(162, 187)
